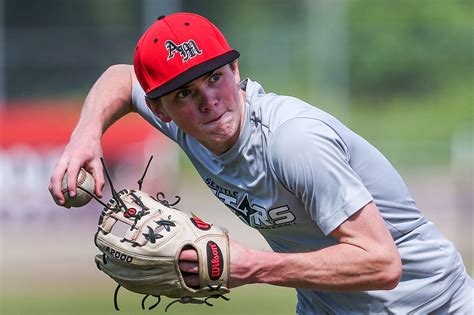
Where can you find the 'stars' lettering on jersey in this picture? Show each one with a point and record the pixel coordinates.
(252, 214)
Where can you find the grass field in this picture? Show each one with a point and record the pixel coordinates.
(50, 271)
(257, 299)
(47, 266)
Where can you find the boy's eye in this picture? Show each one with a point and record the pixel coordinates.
(215, 77)
(183, 93)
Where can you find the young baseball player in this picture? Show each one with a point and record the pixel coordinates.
(344, 229)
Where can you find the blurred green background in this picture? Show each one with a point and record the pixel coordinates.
(400, 73)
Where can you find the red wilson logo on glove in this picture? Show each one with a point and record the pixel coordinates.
(200, 224)
(215, 263)
(131, 212)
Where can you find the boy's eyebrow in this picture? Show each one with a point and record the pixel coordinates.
(187, 85)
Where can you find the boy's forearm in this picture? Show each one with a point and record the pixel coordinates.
(108, 100)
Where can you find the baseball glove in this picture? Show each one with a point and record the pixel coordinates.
(141, 238)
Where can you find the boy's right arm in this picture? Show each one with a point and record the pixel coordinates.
(108, 100)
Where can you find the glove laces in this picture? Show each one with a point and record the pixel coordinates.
(182, 300)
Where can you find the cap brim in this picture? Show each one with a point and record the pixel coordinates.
(194, 73)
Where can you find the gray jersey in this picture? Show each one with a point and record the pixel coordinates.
(296, 173)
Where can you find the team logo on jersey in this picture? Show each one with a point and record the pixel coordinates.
(260, 218)
(251, 213)
(187, 50)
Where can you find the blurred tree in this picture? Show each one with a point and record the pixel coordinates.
(57, 48)
(409, 47)
(398, 47)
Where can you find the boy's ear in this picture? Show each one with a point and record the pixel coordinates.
(157, 109)
(235, 70)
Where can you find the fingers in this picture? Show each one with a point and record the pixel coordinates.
(55, 182)
(189, 267)
(192, 281)
(188, 255)
(80, 152)
(72, 172)
(97, 172)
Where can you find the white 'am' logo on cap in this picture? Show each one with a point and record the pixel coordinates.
(187, 50)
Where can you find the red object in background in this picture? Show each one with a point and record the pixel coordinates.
(48, 124)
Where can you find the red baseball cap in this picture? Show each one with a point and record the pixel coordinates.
(177, 49)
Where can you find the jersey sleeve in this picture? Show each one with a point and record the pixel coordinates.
(313, 163)
(139, 103)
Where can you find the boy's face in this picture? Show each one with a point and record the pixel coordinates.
(210, 108)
